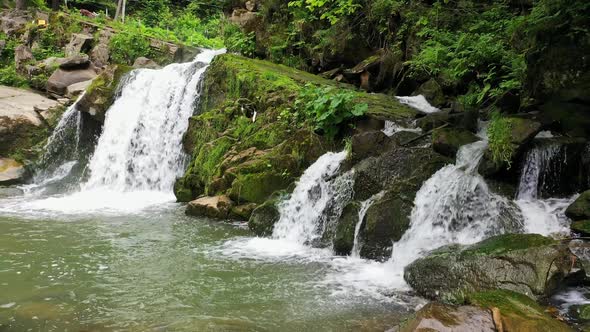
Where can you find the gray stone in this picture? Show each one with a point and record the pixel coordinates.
(76, 89)
(61, 79)
(13, 22)
(143, 62)
(22, 57)
(79, 43)
(11, 172)
(100, 53)
(580, 208)
(78, 61)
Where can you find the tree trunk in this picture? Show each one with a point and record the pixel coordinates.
(119, 7)
(21, 4)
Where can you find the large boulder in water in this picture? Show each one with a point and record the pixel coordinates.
(264, 217)
(530, 264)
(447, 141)
(580, 208)
(444, 317)
(214, 207)
(343, 240)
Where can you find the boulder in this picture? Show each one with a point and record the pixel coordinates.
(78, 61)
(213, 207)
(257, 187)
(52, 63)
(79, 43)
(580, 208)
(11, 172)
(264, 217)
(432, 91)
(14, 22)
(247, 20)
(343, 240)
(442, 317)
(530, 264)
(447, 141)
(143, 62)
(581, 227)
(242, 212)
(59, 81)
(76, 89)
(100, 95)
(100, 53)
(368, 144)
(23, 57)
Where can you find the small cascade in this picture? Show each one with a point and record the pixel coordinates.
(318, 196)
(365, 205)
(391, 128)
(540, 162)
(418, 102)
(455, 206)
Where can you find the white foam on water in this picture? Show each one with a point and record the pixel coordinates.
(391, 128)
(365, 205)
(418, 102)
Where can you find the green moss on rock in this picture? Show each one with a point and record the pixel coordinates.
(100, 95)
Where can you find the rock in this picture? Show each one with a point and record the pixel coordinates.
(100, 95)
(100, 54)
(213, 207)
(264, 217)
(447, 141)
(76, 89)
(2, 45)
(10, 192)
(368, 144)
(243, 212)
(78, 61)
(257, 187)
(11, 172)
(143, 62)
(343, 240)
(52, 63)
(22, 57)
(448, 318)
(581, 250)
(79, 43)
(433, 120)
(530, 264)
(580, 208)
(59, 81)
(247, 20)
(432, 91)
(14, 22)
(21, 127)
(251, 5)
(517, 312)
(581, 227)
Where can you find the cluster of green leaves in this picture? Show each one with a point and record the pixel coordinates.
(236, 40)
(127, 46)
(328, 108)
(48, 44)
(331, 10)
(9, 76)
(499, 136)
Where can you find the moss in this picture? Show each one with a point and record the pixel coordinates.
(518, 311)
(581, 226)
(100, 95)
(508, 242)
(257, 187)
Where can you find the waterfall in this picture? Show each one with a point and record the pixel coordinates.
(418, 102)
(537, 165)
(317, 196)
(365, 205)
(391, 128)
(141, 145)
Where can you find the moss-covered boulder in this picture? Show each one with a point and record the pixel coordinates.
(517, 312)
(580, 208)
(581, 227)
(264, 217)
(247, 140)
(343, 240)
(101, 94)
(530, 264)
(447, 141)
(214, 207)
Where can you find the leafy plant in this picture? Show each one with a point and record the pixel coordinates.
(9, 76)
(328, 108)
(238, 41)
(331, 10)
(127, 46)
(499, 135)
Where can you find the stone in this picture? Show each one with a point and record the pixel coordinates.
(79, 43)
(10, 192)
(343, 240)
(214, 207)
(257, 187)
(581, 250)
(14, 22)
(52, 63)
(100, 95)
(580, 208)
(76, 89)
(264, 217)
(78, 61)
(442, 317)
(59, 81)
(368, 144)
(243, 212)
(22, 57)
(143, 62)
(581, 227)
(529, 264)
(447, 141)
(11, 172)
(2, 45)
(251, 5)
(432, 91)
(100, 54)
(247, 20)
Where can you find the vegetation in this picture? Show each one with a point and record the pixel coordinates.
(499, 135)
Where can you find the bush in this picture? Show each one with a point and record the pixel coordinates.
(127, 46)
(328, 108)
(499, 136)
(236, 40)
(9, 76)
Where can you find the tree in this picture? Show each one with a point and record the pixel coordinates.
(121, 10)
(21, 4)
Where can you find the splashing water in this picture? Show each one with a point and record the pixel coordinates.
(537, 163)
(418, 102)
(365, 205)
(391, 128)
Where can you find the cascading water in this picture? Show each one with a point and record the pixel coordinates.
(391, 128)
(538, 160)
(418, 102)
(365, 205)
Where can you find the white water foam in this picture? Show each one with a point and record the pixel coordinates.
(365, 205)
(391, 128)
(418, 102)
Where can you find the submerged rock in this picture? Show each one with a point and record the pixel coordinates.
(11, 172)
(448, 318)
(213, 207)
(580, 208)
(526, 263)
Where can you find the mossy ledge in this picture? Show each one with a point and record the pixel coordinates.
(246, 140)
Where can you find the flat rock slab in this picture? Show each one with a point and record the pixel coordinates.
(19, 104)
(11, 171)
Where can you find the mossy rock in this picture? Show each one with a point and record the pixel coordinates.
(343, 240)
(257, 187)
(581, 226)
(447, 141)
(580, 208)
(530, 264)
(518, 312)
(264, 217)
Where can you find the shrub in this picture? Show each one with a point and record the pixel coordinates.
(328, 108)
(127, 46)
(9, 76)
(236, 40)
(499, 136)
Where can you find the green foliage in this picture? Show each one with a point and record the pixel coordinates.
(236, 40)
(328, 108)
(499, 135)
(9, 76)
(127, 46)
(331, 10)
(48, 44)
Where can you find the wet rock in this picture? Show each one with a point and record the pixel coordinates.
(433, 120)
(76, 89)
(526, 263)
(447, 141)
(448, 318)
(100, 95)
(581, 249)
(257, 187)
(432, 91)
(213, 207)
(59, 81)
(580, 208)
(22, 57)
(343, 240)
(368, 144)
(79, 43)
(264, 218)
(143, 62)
(247, 20)
(78, 61)
(581, 227)
(100, 53)
(11, 172)
(243, 212)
